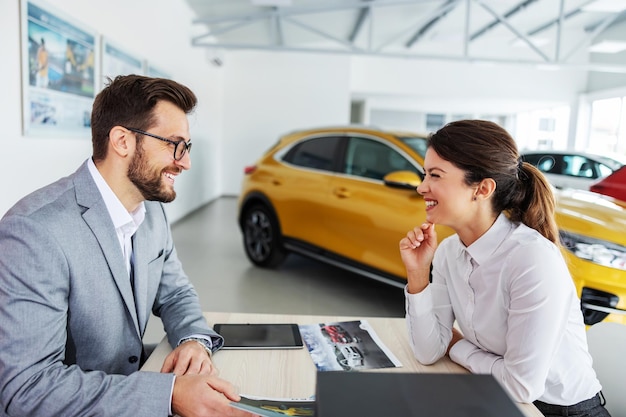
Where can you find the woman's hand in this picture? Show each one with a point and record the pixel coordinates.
(417, 250)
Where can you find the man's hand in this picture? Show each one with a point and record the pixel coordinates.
(188, 359)
(204, 396)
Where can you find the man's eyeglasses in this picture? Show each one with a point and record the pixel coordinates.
(180, 147)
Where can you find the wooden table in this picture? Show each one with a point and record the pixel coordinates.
(292, 373)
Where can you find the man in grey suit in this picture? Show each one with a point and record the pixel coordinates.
(83, 262)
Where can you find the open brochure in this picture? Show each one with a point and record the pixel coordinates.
(276, 407)
(346, 345)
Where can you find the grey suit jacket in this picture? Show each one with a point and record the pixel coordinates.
(70, 328)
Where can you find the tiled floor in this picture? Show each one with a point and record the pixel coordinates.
(209, 245)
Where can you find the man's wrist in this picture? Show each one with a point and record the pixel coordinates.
(204, 343)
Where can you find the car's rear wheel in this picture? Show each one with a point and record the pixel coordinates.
(261, 237)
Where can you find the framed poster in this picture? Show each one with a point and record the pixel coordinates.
(117, 61)
(58, 72)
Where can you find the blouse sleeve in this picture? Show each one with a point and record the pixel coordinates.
(429, 319)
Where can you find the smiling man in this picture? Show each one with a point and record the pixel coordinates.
(85, 260)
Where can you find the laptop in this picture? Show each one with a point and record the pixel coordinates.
(374, 394)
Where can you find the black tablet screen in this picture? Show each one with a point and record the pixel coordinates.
(259, 336)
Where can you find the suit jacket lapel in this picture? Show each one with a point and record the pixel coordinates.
(140, 254)
(98, 219)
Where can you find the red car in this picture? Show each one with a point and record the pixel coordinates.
(336, 333)
(613, 185)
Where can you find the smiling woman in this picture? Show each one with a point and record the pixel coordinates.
(501, 277)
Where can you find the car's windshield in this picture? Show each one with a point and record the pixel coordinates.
(418, 144)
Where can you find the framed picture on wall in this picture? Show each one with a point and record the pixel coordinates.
(118, 61)
(59, 72)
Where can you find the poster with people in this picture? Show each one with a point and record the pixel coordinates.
(59, 71)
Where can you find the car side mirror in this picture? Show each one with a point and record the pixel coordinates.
(407, 180)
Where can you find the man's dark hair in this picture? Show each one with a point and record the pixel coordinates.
(129, 100)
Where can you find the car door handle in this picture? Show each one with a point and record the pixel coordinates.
(342, 192)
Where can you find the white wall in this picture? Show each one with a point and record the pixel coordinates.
(272, 93)
(461, 87)
(155, 29)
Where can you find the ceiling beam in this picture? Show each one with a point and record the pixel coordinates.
(441, 12)
(349, 45)
(599, 28)
(324, 8)
(598, 67)
(520, 35)
(277, 17)
(277, 28)
(363, 14)
(516, 9)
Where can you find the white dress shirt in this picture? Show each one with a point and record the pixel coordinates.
(125, 223)
(514, 300)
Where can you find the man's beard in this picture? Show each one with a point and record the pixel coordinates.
(150, 184)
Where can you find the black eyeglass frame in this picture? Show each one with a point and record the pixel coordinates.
(186, 145)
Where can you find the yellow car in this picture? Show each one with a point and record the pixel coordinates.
(346, 196)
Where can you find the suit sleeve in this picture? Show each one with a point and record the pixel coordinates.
(34, 315)
(177, 302)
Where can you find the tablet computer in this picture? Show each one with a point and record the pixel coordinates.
(259, 335)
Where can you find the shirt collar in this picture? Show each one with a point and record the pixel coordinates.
(119, 215)
(488, 243)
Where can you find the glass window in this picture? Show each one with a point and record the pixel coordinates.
(546, 163)
(418, 144)
(605, 125)
(604, 170)
(318, 153)
(434, 122)
(372, 159)
(579, 166)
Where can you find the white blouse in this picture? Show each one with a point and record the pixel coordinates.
(514, 300)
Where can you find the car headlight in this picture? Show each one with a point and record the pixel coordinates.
(595, 250)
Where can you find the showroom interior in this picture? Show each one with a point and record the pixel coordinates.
(255, 84)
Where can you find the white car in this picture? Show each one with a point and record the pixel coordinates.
(572, 169)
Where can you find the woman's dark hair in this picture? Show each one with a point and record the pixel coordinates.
(483, 149)
(128, 101)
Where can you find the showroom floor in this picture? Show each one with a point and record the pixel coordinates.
(209, 245)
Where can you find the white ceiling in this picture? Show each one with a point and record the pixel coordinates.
(550, 32)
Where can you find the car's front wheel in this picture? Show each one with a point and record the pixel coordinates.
(261, 237)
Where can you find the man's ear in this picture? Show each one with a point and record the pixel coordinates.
(485, 189)
(121, 141)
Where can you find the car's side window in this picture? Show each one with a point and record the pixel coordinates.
(545, 163)
(372, 159)
(579, 166)
(316, 153)
(604, 170)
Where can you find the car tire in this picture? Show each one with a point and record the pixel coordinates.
(261, 237)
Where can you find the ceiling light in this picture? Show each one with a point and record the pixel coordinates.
(608, 47)
(605, 6)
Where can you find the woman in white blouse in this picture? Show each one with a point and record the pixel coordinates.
(501, 277)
